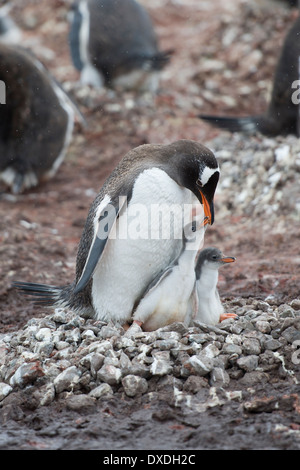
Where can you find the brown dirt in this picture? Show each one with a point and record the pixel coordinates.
(40, 230)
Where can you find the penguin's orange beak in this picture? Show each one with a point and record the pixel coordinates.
(228, 259)
(208, 209)
(205, 221)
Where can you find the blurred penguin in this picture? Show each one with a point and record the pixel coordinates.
(113, 44)
(282, 115)
(9, 31)
(36, 120)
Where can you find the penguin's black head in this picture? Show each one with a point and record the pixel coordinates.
(213, 258)
(197, 169)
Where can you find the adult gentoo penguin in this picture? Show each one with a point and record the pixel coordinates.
(134, 228)
(281, 117)
(171, 297)
(113, 44)
(210, 309)
(36, 121)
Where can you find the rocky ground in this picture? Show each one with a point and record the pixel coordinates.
(70, 383)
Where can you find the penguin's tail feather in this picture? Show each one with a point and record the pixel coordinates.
(248, 125)
(41, 294)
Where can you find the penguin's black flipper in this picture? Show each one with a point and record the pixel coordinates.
(105, 223)
(248, 125)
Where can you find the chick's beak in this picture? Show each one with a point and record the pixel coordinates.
(228, 259)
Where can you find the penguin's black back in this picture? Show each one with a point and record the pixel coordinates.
(282, 112)
(32, 122)
(121, 38)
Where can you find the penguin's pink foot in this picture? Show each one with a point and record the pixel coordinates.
(126, 326)
(224, 316)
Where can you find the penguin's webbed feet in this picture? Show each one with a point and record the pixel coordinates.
(224, 316)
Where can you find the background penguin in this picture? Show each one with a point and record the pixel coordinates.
(210, 309)
(9, 31)
(171, 297)
(112, 272)
(36, 121)
(281, 117)
(113, 44)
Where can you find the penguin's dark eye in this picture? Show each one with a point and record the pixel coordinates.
(214, 257)
(198, 183)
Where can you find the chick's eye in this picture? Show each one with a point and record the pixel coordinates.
(198, 183)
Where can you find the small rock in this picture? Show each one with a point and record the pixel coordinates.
(295, 304)
(88, 334)
(251, 346)
(59, 316)
(101, 391)
(260, 405)
(250, 379)
(59, 345)
(197, 365)
(248, 363)
(108, 331)
(80, 402)
(194, 383)
(45, 394)
(44, 348)
(160, 367)
(109, 374)
(263, 326)
(96, 363)
(291, 334)
(134, 385)
(67, 379)
(211, 350)
(27, 373)
(5, 390)
(44, 334)
(272, 344)
(229, 348)
(219, 377)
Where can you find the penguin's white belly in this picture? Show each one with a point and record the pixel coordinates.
(209, 305)
(167, 303)
(144, 245)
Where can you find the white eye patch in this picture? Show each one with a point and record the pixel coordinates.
(207, 173)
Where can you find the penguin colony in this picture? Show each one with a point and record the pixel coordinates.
(150, 280)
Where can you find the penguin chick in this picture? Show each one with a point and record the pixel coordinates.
(134, 229)
(113, 43)
(281, 117)
(36, 120)
(171, 297)
(210, 309)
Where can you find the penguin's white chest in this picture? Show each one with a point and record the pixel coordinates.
(209, 305)
(169, 301)
(147, 238)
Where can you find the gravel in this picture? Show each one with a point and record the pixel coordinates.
(259, 176)
(63, 354)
